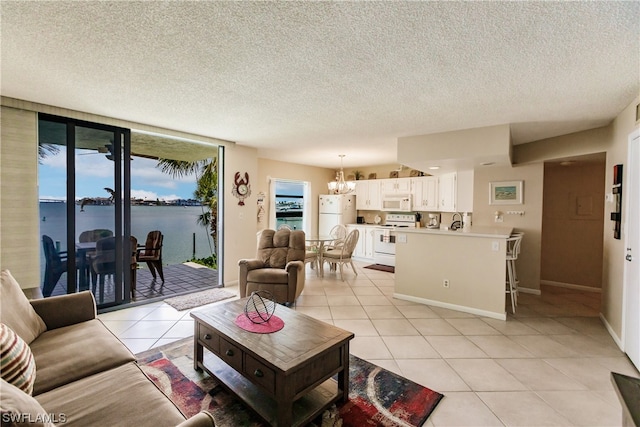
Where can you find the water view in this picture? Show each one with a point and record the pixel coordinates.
(177, 224)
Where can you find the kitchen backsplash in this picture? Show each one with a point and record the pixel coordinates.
(369, 217)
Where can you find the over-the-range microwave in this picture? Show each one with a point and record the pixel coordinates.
(396, 202)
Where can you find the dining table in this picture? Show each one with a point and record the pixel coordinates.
(319, 242)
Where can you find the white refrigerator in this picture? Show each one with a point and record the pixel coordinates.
(335, 209)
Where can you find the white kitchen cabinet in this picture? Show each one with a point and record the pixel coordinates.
(425, 193)
(396, 186)
(365, 245)
(368, 195)
(447, 192)
(455, 192)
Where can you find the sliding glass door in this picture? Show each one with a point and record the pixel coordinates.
(127, 213)
(83, 179)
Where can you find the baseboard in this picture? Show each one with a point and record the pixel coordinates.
(529, 291)
(612, 333)
(570, 286)
(465, 309)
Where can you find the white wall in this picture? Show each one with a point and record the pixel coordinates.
(239, 221)
(528, 263)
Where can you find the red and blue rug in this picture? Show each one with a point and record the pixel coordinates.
(377, 397)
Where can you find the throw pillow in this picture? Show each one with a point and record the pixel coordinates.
(17, 365)
(20, 409)
(16, 312)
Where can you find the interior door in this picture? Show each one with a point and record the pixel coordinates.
(632, 253)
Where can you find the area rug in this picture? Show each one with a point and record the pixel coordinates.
(196, 299)
(380, 267)
(377, 397)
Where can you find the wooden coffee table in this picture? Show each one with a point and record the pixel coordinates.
(284, 376)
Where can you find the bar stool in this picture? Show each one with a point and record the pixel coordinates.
(513, 250)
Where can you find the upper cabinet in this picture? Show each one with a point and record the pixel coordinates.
(368, 195)
(425, 193)
(455, 192)
(447, 192)
(396, 186)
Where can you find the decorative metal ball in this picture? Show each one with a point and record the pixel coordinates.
(260, 307)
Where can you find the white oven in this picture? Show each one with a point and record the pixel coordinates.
(396, 202)
(384, 244)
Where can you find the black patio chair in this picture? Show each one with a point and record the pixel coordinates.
(56, 264)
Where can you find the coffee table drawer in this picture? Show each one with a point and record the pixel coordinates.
(231, 354)
(260, 374)
(209, 338)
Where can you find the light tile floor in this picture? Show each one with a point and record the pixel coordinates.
(549, 364)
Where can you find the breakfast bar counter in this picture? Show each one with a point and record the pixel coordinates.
(459, 270)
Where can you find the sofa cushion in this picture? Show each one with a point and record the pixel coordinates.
(120, 396)
(15, 310)
(17, 365)
(67, 354)
(20, 409)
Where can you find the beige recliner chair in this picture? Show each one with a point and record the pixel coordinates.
(278, 267)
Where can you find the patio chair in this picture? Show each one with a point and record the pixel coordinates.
(94, 235)
(134, 264)
(151, 253)
(104, 263)
(56, 264)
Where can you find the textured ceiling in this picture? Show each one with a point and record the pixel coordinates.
(307, 81)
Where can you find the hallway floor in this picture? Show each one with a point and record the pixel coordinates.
(549, 364)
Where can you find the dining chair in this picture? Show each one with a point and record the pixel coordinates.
(311, 256)
(339, 233)
(343, 254)
(151, 253)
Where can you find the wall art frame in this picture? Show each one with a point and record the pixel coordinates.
(506, 192)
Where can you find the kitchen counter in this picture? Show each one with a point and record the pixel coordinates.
(458, 270)
(479, 231)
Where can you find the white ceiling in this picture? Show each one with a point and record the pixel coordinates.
(306, 81)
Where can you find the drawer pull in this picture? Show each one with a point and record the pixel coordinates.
(207, 336)
(258, 373)
(229, 353)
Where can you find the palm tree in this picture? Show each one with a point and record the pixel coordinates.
(44, 150)
(206, 192)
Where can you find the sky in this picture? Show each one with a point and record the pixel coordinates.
(94, 172)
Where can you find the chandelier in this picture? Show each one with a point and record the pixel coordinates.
(340, 186)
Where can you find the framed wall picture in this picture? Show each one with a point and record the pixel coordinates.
(506, 193)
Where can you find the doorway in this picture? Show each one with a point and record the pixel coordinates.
(290, 205)
(573, 222)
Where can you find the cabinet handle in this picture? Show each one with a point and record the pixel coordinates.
(258, 373)
(229, 353)
(207, 336)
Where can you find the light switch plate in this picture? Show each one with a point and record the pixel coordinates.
(495, 246)
(401, 238)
